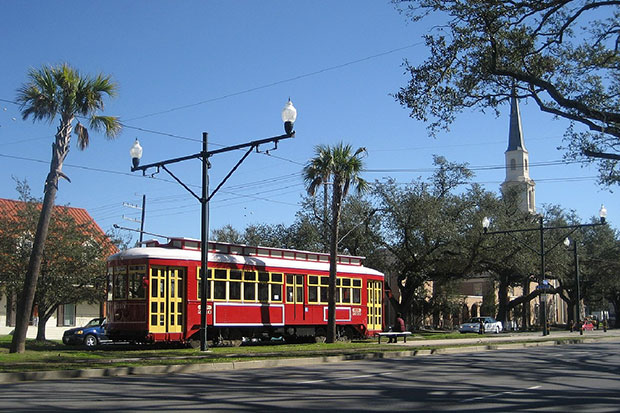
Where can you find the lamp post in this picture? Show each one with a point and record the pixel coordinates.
(567, 242)
(289, 115)
(543, 285)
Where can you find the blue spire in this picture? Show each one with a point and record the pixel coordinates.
(515, 136)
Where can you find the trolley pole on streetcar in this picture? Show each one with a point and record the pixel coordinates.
(289, 115)
(543, 284)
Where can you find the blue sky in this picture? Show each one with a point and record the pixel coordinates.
(227, 68)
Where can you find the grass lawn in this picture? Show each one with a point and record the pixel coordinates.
(53, 355)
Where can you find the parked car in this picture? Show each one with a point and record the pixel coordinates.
(473, 325)
(90, 335)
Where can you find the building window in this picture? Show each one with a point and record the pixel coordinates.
(66, 315)
(513, 164)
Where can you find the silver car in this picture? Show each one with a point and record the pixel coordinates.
(473, 325)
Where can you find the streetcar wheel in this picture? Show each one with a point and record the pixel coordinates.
(90, 341)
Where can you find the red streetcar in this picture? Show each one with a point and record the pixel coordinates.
(154, 293)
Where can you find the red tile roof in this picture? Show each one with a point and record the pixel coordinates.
(9, 209)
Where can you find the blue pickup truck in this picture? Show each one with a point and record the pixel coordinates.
(90, 335)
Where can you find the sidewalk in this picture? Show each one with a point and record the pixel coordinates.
(562, 335)
(413, 348)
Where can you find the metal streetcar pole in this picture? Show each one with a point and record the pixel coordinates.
(204, 243)
(542, 297)
(289, 115)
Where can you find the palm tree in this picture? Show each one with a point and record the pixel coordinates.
(50, 92)
(317, 173)
(343, 166)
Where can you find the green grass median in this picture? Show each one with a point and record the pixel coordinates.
(53, 355)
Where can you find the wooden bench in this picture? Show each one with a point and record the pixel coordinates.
(394, 334)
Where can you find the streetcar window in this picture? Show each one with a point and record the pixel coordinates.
(313, 279)
(324, 294)
(249, 286)
(249, 275)
(120, 282)
(110, 281)
(300, 294)
(289, 278)
(263, 292)
(300, 279)
(263, 277)
(234, 285)
(199, 283)
(357, 296)
(219, 289)
(312, 294)
(276, 278)
(346, 296)
(136, 286)
(249, 291)
(220, 274)
(324, 280)
(276, 292)
(153, 307)
(289, 294)
(234, 290)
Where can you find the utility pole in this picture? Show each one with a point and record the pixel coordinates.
(141, 221)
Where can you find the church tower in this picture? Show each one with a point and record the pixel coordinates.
(517, 162)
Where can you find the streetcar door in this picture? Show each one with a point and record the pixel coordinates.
(296, 309)
(374, 305)
(166, 299)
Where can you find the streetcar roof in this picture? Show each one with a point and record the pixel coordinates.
(237, 259)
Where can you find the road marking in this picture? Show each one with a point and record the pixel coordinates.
(345, 378)
(500, 394)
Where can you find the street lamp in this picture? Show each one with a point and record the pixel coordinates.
(543, 284)
(567, 242)
(136, 153)
(289, 115)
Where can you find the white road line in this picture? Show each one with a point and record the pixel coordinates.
(500, 394)
(344, 378)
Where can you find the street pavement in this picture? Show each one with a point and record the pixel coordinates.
(412, 348)
(568, 378)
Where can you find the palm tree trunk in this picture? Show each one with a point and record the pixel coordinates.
(60, 148)
(333, 264)
(24, 306)
(325, 217)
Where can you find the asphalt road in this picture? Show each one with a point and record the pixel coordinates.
(583, 377)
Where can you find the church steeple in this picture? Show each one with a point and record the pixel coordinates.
(517, 161)
(515, 135)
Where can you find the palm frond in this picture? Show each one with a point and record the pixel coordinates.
(110, 125)
(82, 134)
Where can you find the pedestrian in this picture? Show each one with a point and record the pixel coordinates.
(481, 328)
(399, 327)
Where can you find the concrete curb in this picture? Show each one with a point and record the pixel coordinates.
(6, 378)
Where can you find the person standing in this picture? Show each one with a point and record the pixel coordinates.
(399, 327)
